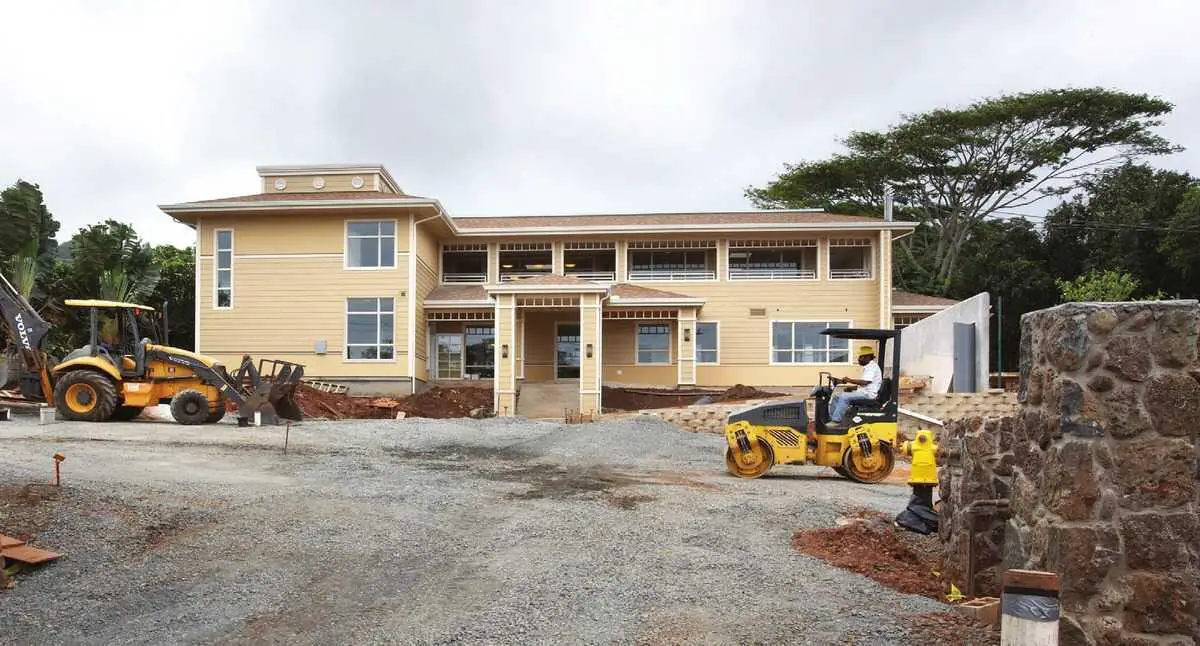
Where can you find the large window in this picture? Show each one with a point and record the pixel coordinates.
(672, 260)
(371, 245)
(653, 343)
(707, 342)
(766, 260)
(849, 259)
(591, 260)
(464, 263)
(370, 329)
(480, 351)
(223, 267)
(525, 259)
(802, 342)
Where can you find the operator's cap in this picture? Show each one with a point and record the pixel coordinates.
(865, 350)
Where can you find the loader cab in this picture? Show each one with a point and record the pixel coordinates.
(885, 406)
(118, 333)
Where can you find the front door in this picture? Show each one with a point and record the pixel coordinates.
(566, 351)
(449, 348)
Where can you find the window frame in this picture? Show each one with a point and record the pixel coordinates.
(637, 344)
(771, 349)
(870, 257)
(696, 344)
(346, 344)
(216, 277)
(379, 237)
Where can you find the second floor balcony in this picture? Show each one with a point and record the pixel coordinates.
(672, 261)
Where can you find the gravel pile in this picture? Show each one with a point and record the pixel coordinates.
(432, 532)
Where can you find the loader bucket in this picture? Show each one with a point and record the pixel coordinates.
(271, 389)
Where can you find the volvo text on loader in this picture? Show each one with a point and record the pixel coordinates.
(120, 371)
(862, 448)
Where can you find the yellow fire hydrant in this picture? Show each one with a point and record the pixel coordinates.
(920, 516)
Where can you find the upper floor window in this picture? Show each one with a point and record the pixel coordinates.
(371, 244)
(464, 263)
(772, 259)
(850, 258)
(672, 260)
(524, 259)
(591, 260)
(223, 267)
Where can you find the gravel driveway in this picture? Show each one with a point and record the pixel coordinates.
(499, 531)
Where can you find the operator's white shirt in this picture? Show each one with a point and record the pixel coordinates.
(873, 374)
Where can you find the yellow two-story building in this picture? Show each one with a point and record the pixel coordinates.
(336, 268)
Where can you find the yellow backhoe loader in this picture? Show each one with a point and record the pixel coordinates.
(122, 370)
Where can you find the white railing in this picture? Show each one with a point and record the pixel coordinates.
(849, 273)
(504, 278)
(738, 273)
(671, 274)
(597, 276)
(464, 278)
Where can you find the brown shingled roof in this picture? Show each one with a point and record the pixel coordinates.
(331, 196)
(550, 279)
(661, 219)
(910, 299)
(458, 293)
(627, 291)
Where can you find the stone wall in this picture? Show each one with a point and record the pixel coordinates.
(1101, 469)
(700, 418)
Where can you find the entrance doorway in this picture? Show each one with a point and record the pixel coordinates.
(566, 351)
(449, 348)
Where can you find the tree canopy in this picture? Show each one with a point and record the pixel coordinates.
(951, 168)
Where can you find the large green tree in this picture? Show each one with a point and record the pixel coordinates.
(955, 167)
(1180, 246)
(176, 292)
(1125, 220)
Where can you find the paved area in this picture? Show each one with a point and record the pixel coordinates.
(500, 531)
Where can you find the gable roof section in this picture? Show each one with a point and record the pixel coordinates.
(617, 222)
(912, 302)
(458, 294)
(634, 295)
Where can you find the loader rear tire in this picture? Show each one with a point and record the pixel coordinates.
(85, 396)
(190, 407)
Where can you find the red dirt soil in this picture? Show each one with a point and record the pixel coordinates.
(870, 545)
(435, 403)
(625, 399)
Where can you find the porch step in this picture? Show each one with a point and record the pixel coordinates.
(547, 400)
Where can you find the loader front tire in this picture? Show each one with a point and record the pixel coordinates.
(85, 396)
(190, 407)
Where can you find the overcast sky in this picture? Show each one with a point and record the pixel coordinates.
(519, 106)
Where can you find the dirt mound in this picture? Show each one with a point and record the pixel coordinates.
(872, 546)
(441, 403)
(742, 393)
(623, 399)
(953, 629)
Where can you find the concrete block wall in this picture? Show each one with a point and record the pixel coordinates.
(702, 418)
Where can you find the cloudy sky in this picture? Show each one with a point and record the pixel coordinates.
(524, 106)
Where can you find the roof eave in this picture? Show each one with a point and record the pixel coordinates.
(508, 288)
(655, 302)
(699, 228)
(459, 304)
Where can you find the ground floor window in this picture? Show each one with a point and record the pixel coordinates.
(802, 342)
(370, 328)
(480, 351)
(448, 352)
(707, 342)
(653, 343)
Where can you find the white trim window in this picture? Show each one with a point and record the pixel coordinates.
(370, 244)
(653, 343)
(370, 329)
(850, 259)
(802, 342)
(223, 269)
(708, 342)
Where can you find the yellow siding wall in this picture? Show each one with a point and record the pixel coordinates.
(289, 292)
(279, 234)
(538, 344)
(428, 263)
(620, 356)
(333, 183)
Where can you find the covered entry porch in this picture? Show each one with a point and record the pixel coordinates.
(563, 332)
